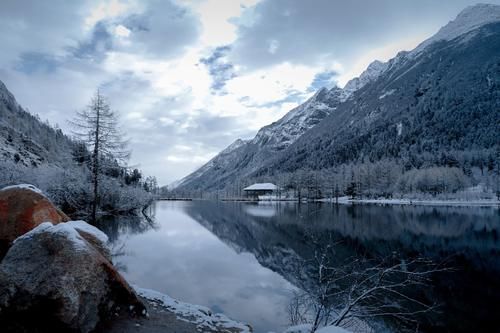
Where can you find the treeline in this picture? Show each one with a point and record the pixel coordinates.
(459, 176)
(68, 185)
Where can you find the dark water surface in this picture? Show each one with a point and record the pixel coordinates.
(239, 258)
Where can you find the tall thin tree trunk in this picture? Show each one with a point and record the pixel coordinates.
(95, 171)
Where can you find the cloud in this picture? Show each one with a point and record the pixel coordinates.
(186, 77)
(31, 62)
(39, 26)
(325, 79)
(95, 47)
(318, 32)
(163, 30)
(219, 68)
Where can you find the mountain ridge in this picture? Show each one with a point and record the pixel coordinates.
(258, 157)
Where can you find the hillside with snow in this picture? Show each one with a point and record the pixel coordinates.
(440, 98)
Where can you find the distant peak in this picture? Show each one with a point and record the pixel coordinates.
(235, 145)
(467, 20)
(474, 16)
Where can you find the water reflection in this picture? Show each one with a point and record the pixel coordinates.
(226, 255)
(183, 259)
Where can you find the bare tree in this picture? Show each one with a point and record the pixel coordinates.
(97, 127)
(358, 290)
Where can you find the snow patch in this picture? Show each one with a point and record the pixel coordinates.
(399, 128)
(70, 230)
(62, 228)
(199, 315)
(89, 229)
(24, 187)
(387, 93)
(469, 19)
(372, 73)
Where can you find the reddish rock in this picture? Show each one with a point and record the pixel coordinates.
(22, 209)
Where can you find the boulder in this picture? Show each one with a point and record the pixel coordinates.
(22, 208)
(57, 278)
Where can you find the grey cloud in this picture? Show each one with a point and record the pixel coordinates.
(32, 30)
(219, 68)
(324, 79)
(163, 30)
(45, 27)
(95, 47)
(31, 62)
(87, 52)
(292, 96)
(309, 32)
(152, 139)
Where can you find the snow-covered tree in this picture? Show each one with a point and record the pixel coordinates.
(97, 127)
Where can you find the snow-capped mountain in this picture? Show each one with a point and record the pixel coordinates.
(374, 70)
(245, 157)
(443, 99)
(221, 160)
(469, 19)
(387, 99)
(285, 131)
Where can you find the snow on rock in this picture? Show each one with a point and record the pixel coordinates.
(23, 186)
(199, 315)
(217, 160)
(372, 72)
(55, 265)
(87, 228)
(399, 128)
(387, 93)
(233, 146)
(296, 122)
(62, 228)
(469, 19)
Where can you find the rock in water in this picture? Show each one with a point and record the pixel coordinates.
(22, 208)
(53, 279)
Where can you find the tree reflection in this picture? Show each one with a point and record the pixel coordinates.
(357, 292)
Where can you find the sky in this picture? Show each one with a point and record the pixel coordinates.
(188, 77)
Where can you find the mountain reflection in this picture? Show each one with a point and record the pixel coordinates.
(282, 236)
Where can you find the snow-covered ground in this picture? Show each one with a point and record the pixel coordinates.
(206, 320)
(199, 315)
(306, 328)
(483, 202)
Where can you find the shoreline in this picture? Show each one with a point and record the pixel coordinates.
(416, 202)
(346, 201)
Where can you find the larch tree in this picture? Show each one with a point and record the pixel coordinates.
(97, 127)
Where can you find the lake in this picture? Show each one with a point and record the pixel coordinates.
(241, 259)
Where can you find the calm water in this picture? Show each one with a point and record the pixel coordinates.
(238, 258)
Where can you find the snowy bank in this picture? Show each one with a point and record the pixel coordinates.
(346, 200)
(306, 328)
(199, 315)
